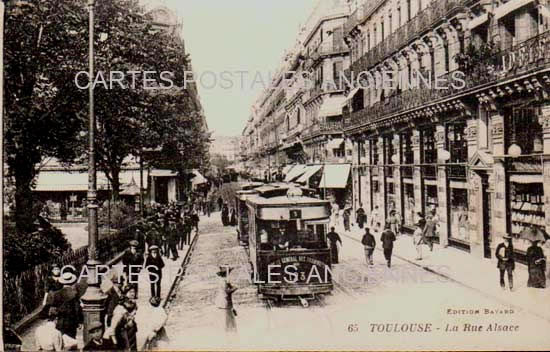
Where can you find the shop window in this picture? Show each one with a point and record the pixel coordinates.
(525, 130)
(431, 199)
(526, 207)
(408, 204)
(388, 149)
(459, 214)
(407, 154)
(458, 148)
(428, 151)
(374, 152)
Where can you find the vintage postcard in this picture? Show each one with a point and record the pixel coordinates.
(183, 175)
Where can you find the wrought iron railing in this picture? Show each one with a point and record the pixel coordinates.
(422, 22)
(527, 56)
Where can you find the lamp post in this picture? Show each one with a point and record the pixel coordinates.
(93, 300)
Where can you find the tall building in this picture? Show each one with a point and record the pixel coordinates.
(300, 120)
(228, 147)
(470, 139)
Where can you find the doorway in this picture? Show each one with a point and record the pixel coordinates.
(487, 210)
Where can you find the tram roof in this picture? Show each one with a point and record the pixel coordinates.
(284, 200)
(251, 185)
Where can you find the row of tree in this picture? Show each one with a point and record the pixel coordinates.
(46, 46)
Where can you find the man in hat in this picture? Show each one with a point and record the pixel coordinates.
(47, 336)
(506, 263)
(97, 342)
(154, 265)
(132, 262)
(70, 312)
(224, 298)
(173, 238)
(334, 238)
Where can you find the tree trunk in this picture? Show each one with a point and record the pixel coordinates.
(115, 183)
(24, 174)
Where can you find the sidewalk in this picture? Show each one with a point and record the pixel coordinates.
(169, 273)
(480, 275)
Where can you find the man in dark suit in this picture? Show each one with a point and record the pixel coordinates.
(506, 263)
(97, 342)
(132, 260)
(334, 238)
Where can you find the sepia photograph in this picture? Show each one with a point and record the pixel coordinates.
(261, 175)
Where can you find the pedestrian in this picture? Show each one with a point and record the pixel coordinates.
(123, 329)
(173, 238)
(140, 238)
(360, 216)
(536, 263)
(430, 229)
(114, 295)
(418, 238)
(187, 227)
(233, 217)
(132, 261)
(225, 215)
(51, 285)
(369, 243)
(70, 312)
(154, 265)
(224, 298)
(47, 336)
(220, 203)
(394, 222)
(336, 213)
(195, 219)
(346, 217)
(97, 342)
(387, 239)
(208, 207)
(157, 317)
(374, 217)
(334, 238)
(506, 263)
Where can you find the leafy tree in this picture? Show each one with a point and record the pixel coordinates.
(44, 47)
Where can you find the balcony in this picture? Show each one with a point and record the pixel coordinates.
(421, 23)
(317, 129)
(528, 56)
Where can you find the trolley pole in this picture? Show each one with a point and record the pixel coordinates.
(93, 300)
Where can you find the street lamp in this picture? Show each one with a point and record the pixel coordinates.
(93, 300)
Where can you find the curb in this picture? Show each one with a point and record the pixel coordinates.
(463, 284)
(177, 280)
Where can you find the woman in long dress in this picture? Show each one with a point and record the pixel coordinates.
(536, 265)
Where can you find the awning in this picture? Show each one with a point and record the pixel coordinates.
(296, 171)
(310, 171)
(163, 173)
(335, 143)
(287, 168)
(526, 178)
(67, 181)
(332, 106)
(478, 21)
(198, 179)
(350, 96)
(335, 176)
(510, 6)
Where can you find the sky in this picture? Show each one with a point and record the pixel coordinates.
(237, 35)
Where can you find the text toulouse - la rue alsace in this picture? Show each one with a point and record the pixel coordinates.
(449, 328)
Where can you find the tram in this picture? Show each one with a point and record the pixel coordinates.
(242, 214)
(288, 249)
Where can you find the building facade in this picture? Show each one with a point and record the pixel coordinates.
(474, 150)
(299, 121)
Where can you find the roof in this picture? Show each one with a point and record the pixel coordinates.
(59, 180)
(163, 173)
(292, 201)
